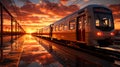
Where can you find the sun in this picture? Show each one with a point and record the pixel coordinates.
(30, 31)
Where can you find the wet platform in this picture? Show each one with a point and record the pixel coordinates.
(30, 54)
(34, 55)
(11, 53)
(30, 51)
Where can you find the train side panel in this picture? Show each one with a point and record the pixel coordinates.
(71, 36)
(63, 30)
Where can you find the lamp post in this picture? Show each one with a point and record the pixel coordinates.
(1, 32)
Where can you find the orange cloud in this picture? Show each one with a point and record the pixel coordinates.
(63, 2)
(41, 14)
(116, 14)
(44, 14)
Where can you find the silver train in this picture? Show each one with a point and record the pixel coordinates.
(92, 25)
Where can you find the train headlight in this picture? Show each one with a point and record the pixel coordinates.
(112, 34)
(99, 34)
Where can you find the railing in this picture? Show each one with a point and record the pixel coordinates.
(8, 27)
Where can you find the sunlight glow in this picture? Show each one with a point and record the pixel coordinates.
(35, 14)
(29, 31)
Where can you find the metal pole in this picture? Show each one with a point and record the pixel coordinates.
(18, 30)
(1, 33)
(11, 33)
(15, 30)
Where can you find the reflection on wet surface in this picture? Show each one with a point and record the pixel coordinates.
(11, 51)
(34, 55)
(8, 46)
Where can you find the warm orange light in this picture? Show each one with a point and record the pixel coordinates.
(29, 31)
(112, 34)
(99, 33)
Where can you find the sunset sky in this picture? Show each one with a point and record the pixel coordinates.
(35, 14)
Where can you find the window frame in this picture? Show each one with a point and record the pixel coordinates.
(72, 24)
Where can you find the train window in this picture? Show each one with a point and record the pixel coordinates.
(97, 22)
(65, 27)
(53, 28)
(104, 21)
(110, 23)
(72, 24)
(80, 23)
(84, 19)
(56, 28)
(61, 27)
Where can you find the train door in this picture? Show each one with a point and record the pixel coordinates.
(81, 20)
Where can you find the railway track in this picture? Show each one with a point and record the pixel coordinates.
(108, 55)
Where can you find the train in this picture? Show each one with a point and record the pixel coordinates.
(92, 25)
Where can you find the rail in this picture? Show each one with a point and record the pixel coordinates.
(108, 55)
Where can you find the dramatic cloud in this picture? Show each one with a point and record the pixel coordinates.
(116, 14)
(64, 2)
(44, 13)
(49, 9)
(116, 10)
(35, 14)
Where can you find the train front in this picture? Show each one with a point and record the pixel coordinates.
(104, 26)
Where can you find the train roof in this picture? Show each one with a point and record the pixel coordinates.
(80, 10)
